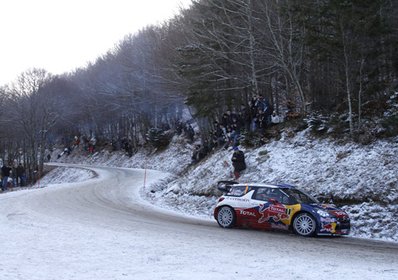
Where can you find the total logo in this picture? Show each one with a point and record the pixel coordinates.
(247, 213)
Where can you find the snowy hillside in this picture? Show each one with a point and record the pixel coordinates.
(362, 179)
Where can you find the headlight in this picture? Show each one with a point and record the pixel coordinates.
(322, 213)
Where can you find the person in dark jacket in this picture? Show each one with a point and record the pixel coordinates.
(238, 162)
(5, 172)
(20, 175)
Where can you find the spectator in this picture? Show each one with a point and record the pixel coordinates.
(226, 119)
(85, 142)
(76, 141)
(189, 131)
(262, 103)
(5, 173)
(235, 135)
(179, 127)
(229, 134)
(14, 173)
(195, 154)
(238, 162)
(244, 117)
(275, 119)
(254, 123)
(253, 105)
(91, 145)
(219, 134)
(261, 121)
(234, 118)
(20, 175)
(128, 148)
(264, 106)
(198, 154)
(67, 151)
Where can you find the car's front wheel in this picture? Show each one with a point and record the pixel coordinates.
(226, 217)
(304, 224)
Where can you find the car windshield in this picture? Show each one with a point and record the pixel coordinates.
(299, 196)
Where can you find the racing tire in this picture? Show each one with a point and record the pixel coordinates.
(304, 224)
(226, 217)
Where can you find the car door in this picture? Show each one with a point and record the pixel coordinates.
(260, 201)
(271, 212)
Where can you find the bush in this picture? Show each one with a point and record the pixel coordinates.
(318, 124)
(390, 121)
(390, 125)
(158, 138)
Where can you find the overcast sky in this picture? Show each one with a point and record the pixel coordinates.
(62, 35)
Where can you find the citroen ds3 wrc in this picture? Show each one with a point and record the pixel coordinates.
(281, 207)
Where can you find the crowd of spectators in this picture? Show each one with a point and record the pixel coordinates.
(12, 175)
(256, 118)
(227, 131)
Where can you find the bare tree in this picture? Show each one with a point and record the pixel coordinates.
(33, 115)
(285, 46)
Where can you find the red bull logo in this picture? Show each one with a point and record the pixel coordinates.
(276, 212)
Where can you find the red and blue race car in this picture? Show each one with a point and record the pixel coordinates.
(274, 206)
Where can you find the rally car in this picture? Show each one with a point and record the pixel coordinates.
(277, 206)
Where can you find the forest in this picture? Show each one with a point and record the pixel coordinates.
(332, 62)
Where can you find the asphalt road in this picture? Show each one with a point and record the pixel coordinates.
(172, 246)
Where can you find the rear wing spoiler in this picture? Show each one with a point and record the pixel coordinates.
(225, 186)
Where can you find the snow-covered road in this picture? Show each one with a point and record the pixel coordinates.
(102, 229)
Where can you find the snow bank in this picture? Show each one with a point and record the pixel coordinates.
(61, 175)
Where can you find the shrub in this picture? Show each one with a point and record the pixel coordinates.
(158, 138)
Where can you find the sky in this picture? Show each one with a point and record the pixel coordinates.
(62, 35)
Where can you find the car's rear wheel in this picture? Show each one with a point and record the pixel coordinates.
(226, 217)
(304, 224)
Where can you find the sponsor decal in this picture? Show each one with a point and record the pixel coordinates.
(247, 213)
(327, 220)
(238, 199)
(339, 213)
(330, 227)
(276, 212)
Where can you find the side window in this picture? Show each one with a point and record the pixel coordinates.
(265, 194)
(261, 194)
(237, 191)
(284, 199)
(279, 196)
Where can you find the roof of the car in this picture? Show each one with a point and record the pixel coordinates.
(265, 185)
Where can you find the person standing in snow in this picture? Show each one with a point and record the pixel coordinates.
(5, 172)
(20, 175)
(275, 119)
(14, 173)
(196, 154)
(91, 145)
(265, 109)
(238, 162)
